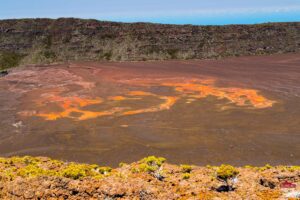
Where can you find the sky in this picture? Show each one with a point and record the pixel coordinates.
(197, 12)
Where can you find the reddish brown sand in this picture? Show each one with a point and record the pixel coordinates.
(237, 111)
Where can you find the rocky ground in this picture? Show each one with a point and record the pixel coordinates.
(150, 178)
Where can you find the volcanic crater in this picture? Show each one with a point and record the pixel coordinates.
(235, 110)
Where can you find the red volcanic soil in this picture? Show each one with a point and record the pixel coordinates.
(238, 111)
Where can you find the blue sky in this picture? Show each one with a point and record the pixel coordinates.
(202, 12)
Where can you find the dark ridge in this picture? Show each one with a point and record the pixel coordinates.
(68, 39)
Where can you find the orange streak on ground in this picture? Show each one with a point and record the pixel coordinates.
(84, 115)
(140, 93)
(74, 107)
(117, 98)
(167, 104)
(70, 105)
(91, 114)
(237, 96)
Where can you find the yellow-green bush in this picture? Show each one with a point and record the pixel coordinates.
(186, 175)
(34, 170)
(152, 160)
(249, 167)
(26, 160)
(293, 168)
(225, 172)
(74, 171)
(77, 171)
(143, 167)
(103, 170)
(56, 163)
(267, 166)
(149, 164)
(26, 166)
(33, 166)
(186, 168)
(122, 164)
(9, 173)
(3, 161)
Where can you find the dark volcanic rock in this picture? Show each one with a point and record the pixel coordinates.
(47, 40)
(3, 73)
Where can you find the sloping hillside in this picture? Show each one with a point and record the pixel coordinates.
(65, 39)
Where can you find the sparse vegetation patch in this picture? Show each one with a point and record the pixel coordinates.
(151, 177)
(9, 60)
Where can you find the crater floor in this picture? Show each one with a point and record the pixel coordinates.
(238, 111)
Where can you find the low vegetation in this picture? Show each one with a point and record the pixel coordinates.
(9, 60)
(29, 167)
(225, 172)
(150, 176)
(186, 175)
(228, 175)
(186, 168)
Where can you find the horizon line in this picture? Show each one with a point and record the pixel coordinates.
(146, 22)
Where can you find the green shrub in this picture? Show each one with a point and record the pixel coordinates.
(56, 163)
(9, 60)
(249, 167)
(293, 168)
(186, 168)
(48, 42)
(77, 171)
(267, 166)
(150, 164)
(147, 168)
(33, 166)
(134, 170)
(186, 176)
(152, 160)
(3, 160)
(225, 172)
(173, 53)
(209, 166)
(31, 170)
(108, 55)
(26, 160)
(122, 164)
(103, 170)
(9, 173)
(49, 54)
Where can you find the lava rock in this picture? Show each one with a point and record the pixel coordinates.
(267, 183)
(3, 73)
(225, 188)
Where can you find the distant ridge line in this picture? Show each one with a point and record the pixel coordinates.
(69, 39)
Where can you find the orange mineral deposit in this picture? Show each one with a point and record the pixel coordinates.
(75, 107)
